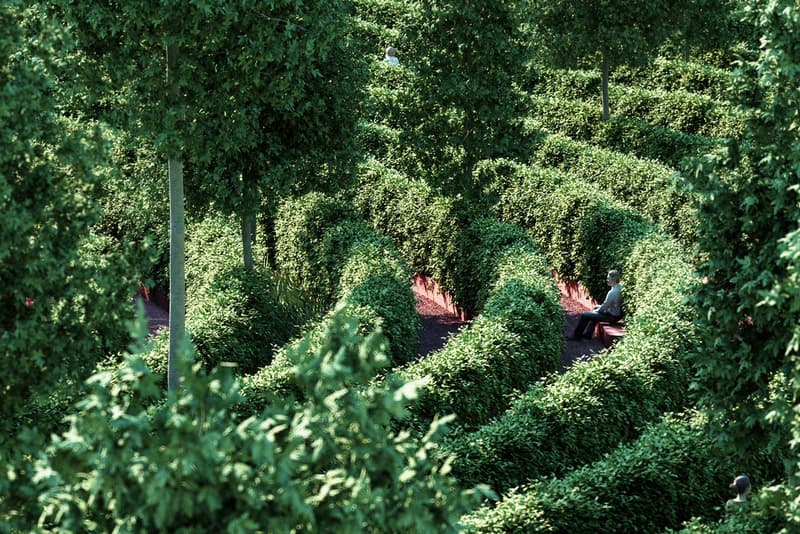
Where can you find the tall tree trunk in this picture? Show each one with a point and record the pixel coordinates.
(606, 113)
(248, 238)
(686, 50)
(177, 278)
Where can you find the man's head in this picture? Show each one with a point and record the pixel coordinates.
(391, 51)
(613, 277)
(741, 484)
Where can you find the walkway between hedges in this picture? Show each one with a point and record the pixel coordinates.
(437, 325)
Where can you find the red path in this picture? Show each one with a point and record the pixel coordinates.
(438, 324)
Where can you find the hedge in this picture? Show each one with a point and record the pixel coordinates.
(645, 185)
(673, 109)
(674, 74)
(573, 419)
(514, 341)
(354, 267)
(671, 473)
(663, 74)
(424, 224)
(491, 268)
(581, 121)
(232, 314)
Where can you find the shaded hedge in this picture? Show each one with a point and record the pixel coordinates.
(669, 474)
(325, 247)
(424, 224)
(675, 74)
(674, 109)
(581, 121)
(661, 73)
(515, 340)
(574, 418)
(490, 267)
(232, 314)
(647, 186)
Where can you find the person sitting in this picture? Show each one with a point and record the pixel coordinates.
(609, 311)
(391, 56)
(742, 486)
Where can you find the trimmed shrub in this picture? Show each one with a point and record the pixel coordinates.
(581, 121)
(515, 340)
(677, 75)
(645, 185)
(363, 272)
(573, 419)
(232, 314)
(424, 224)
(669, 474)
(674, 109)
(312, 239)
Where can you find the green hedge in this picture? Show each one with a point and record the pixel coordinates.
(647, 186)
(673, 109)
(489, 267)
(672, 472)
(575, 418)
(354, 267)
(677, 75)
(232, 314)
(661, 73)
(581, 121)
(516, 340)
(424, 224)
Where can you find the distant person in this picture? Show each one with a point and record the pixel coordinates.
(609, 311)
(741, 485)
(391, 56)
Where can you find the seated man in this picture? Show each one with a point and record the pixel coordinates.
(609, 311)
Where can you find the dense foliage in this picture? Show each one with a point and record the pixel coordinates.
(479, 161)
(749, 245)
(135, 459)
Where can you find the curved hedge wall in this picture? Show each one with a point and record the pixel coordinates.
(324, 246)
(674, 109)
(423, 223)
(646, 185)
(490, 267)
(515, 340)
(580, 120)
(671, 473)
(232, 314)
(575, 418)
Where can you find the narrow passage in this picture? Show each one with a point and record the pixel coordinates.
(437, 324)
(576, 350)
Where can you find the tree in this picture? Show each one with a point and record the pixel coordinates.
(570, 33)
(57, 309)
(748, 368)
(280, 93)
(706, 24)
(134, 459)
(466, 55)
(65, 291)
(256, 97)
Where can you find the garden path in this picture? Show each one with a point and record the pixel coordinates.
(437, 324)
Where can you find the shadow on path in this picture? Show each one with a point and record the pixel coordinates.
(576, 350)
(437, 324)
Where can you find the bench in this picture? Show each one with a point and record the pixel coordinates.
(610, 333)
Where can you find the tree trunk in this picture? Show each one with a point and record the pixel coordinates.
(606, 113)
(686, 50)
(248, 238)
(177, 281)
